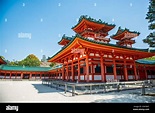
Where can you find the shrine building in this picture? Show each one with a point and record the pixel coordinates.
(90, 57)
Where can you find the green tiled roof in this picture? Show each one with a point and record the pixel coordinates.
(92, 20)
(120, 30)
(65, 37)
(26, 68)
(101, 43)
(144, 61)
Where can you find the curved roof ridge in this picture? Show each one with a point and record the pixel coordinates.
(99, 21)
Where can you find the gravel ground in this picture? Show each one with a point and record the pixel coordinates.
(34, 91)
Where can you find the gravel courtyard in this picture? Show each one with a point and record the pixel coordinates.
(34, 91)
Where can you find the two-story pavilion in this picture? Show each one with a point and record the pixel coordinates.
(89, 57)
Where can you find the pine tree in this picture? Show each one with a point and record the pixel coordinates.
(30, 60)
(150, 16)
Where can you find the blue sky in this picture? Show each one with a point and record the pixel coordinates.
(45, 21)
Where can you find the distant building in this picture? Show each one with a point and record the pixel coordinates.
(44, 59)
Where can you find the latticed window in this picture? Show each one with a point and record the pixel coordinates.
(109, 69)
(81, 70)
(130, 72)
(98, 69)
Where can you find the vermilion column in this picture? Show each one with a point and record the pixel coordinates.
(45, 75)
(10, 74)
(30, 75)
(63, 76)
(135, 70)
(125, 70)
(92, 70)
(21, 76)
(40, 75)
(35, 75)
(67, 71)
(87, 68)
(102, 69)
(49, 75)
(79, 68)
(72, 71)
(5, 75)
(145, 72)
(114, 68)
(58, 74)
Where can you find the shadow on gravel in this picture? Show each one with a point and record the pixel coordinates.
(44, 89)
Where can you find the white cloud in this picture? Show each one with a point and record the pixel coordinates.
(6, 20)
(23, 4)
(95, 4)
(113, 19)
(130, 4)
(5, 50)
(59, 4)
(41, 20)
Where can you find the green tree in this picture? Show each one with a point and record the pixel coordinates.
(13, 63)
(150, 58)
(150, 16)
(52, 64)
(30, 60)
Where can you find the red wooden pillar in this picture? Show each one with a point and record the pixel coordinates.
(10, 74)
(78, 68)
(125, 70)
(87, 68)
(63, 76)
(114, 68)
(35, 75)
(135, 70)
(121, 72)
(72, 71)
(21, 76)
(67, 71)
(102, 69)
(49, 75)
(16, 75)
(5, 75)
(57, 75)
(30, 75)
(145, 72)
(92, 70)
(44, 75)
(40, 76)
